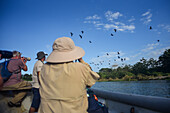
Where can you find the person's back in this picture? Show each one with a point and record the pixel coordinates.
(15, 65)
(63, 82)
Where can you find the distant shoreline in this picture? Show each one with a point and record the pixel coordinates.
(147, 78)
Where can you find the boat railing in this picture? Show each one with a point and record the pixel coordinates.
(155, 104)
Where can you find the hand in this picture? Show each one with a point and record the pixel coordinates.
(24, 60)
(82, 61)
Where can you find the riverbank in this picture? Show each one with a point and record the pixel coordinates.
(128, 78)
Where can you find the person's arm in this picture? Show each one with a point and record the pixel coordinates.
(38, 74)
(1, 82)
(82, 61)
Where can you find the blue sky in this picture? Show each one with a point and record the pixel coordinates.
(30, 26)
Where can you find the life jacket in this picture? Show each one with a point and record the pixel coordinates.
(94, 106)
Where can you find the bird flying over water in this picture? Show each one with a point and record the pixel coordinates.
(107, 53)
(118, 56)
(80, 36)
(71, 33)
(111, 34)
(90, 42)
(158, 40)
(118, 53)
(82, 32)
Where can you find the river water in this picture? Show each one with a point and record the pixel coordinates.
(159, 88)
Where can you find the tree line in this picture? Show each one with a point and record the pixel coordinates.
(144, 69)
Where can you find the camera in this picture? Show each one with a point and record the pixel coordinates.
(28, 58)
(6, 54)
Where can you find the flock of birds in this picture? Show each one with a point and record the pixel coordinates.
(109, 62)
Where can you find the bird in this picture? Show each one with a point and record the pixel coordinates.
(111, 34)
(71, 33)
(114, 59)
(118, 53)
(107, 53)
(80, 36)
(82, 32)
(158, 40)
(115, 30)
(97, 56)
(150, 27)
(118, 56)
(90, 42)
(122, 59)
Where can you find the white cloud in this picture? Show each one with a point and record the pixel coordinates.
(146, 17)
(132, 19)
(146, 13)
(110, 16)
(156, 53)
(150, 47)
(94, 17)
(164, 27)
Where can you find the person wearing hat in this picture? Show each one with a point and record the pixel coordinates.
(15, 82)
(35, 84)
(63, 81)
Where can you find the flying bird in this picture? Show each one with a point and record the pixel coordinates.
(111, 34)
(97, 56)
(71, 33)
(122, 59)
(115, 30)
(107, 53)
(158, 40)
(82, 32)
(150, 27)
(80, 36)
(118, 56)
(90, 42)
(118, 53)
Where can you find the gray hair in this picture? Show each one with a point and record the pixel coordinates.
(16, 53)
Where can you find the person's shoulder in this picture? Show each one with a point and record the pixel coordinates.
(39, 62)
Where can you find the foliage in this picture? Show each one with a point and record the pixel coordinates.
(143, 70)
(27, 77)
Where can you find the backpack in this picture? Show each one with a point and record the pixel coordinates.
(94, 106)
(4, 70)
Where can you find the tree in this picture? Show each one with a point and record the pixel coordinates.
(164, 61)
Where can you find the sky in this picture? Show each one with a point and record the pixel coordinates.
(30, 26)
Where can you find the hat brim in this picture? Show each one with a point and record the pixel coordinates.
(41, 56)
(58, 57)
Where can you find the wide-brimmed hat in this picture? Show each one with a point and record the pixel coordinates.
(64, 50)
(40, 55)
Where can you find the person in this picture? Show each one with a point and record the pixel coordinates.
(63, 82)
(16, 64)
(35, 76)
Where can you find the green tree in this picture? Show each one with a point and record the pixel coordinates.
(164, 61)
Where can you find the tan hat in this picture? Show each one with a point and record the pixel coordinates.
(64, 50)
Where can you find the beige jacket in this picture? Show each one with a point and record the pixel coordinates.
(63, 87)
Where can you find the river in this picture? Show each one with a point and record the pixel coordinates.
(159, 88)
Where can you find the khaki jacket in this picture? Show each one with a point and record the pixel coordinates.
(63, 87)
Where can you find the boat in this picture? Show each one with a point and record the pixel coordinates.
(116, 103)
(131, 103)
